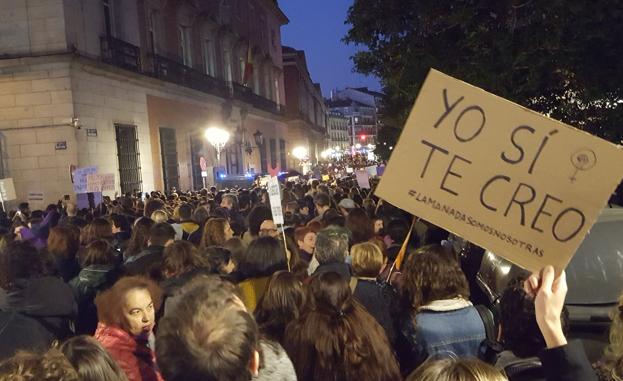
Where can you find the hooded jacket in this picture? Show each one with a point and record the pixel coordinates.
(135, 358)
(91, 280)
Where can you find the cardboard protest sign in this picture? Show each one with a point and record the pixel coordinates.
(7, 190)
(275, 200)
(371, 170)
(363, 178)
(506, 178)
(80, 178)
(100, 182)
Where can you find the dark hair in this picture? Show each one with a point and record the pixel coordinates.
(282, 303)
(140, 237)
(181, 257)
(185, 211)
(161, 233)
(360, 225)
(99, 228)
(337, 339)
(322, 199)
(263, 257)
(201, 215)
(428, 275)
(28, 366)
(19, 259)
(236, 248)
(152, 205)
(23, 206)
(397, 229)
(98, 252)
(120, 221)
(218, 258)
(331, 245)
(91, 360)
(258, 215)
(207, 335)
(520, 331)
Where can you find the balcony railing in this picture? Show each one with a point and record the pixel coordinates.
(175, 72)
(125, 55)
(120, 53)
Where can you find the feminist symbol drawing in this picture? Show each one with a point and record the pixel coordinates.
(582, 160)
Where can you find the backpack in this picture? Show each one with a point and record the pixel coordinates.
(490, 347)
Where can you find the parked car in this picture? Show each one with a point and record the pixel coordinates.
(594, 277)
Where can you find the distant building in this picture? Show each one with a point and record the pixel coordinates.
(306, 111)
(362, 107)
(337, 127)
(144, 78)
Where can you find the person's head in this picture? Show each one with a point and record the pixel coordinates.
(269, 229)
(331, 245)
(397, 229)
(258, 214)
(99, 228)
(378, 226)
(201, 215)
(368, 260)
(120, 223)
(346, 205)
(237, 249)
(429, 274)
(216, 232)
(19, 260)
(160, 216)
(282, 302)
(229, 202)
(220, 260)
(322, 201)
(208, 335)
(181, 257)
(519, 330)
(23, 208)
(335, 328)
(263, 257)
(161, 234)
(360, 225)
(71, 209)
(91, 360)
(185, 212)
(305, 239)
(28, 366)
(64, 241)
(140, 236)
(152, 205)
(463, 369)
(98, 252)
(130, 304)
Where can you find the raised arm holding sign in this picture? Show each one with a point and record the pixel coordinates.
(506, 178)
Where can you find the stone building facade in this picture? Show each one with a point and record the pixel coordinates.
(338, 130)
(130, 86)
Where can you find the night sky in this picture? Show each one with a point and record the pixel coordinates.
(317, 27)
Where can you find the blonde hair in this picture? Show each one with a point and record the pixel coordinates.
(368, 259)
(159, 216)
(456, 370)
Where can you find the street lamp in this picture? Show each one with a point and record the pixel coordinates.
(300, 153)
(218, 137)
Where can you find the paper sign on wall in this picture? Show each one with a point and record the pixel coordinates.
(100, 182)
(80, 178)
(275, 200)
(363, 178)
(513, 181)
(7, 190)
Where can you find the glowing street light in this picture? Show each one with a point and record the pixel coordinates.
(218, 137)
(300, 153)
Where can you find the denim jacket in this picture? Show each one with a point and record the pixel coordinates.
(444, 328)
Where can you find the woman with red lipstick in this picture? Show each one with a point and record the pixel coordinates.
(126, 314)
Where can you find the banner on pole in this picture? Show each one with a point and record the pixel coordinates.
(80, 178)
(275, 200)
(506, 178)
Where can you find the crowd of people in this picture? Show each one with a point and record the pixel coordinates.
(205, 286)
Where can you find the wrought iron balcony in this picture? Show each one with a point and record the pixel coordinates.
(178, 73)
(120, 53)
(246, 94)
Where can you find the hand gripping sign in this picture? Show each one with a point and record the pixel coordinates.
(506, 178)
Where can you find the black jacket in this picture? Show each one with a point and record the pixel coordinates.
(341, 268)
(46, 299)
(381, 302)
(20, 332)
(86, 285)
(148, 262)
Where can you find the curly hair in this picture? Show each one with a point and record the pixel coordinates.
(612, 362)
(429, 274)
(49, 366)
(181, 257)
(19, 259)
(109, 303)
